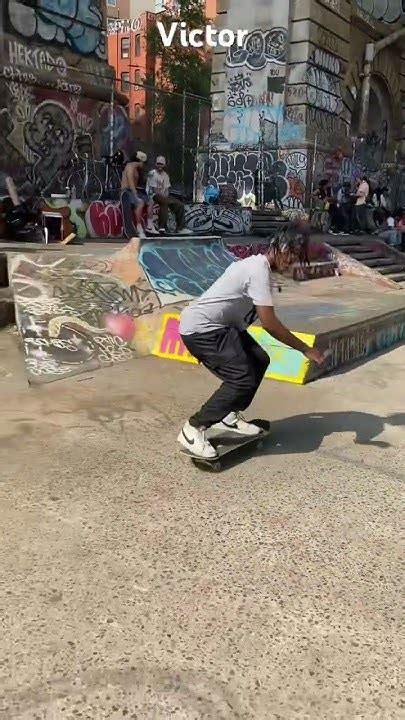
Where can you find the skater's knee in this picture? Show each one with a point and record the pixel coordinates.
(248, 384)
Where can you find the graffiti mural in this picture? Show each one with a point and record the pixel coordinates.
(50, 136)
(259, 48)
(53, 52)
(286, 169)
(76, 25)
(330, 129)
(254, 78)
(323, 82)
(238, 91)
(121, 131)
(286, 364)
(38, 136)
(169, 344)
(365, 342)
(181, 272)
(296, 163)
(389, 11)
(80, 312)
(218, 219)
(236, 168)
(104, 220)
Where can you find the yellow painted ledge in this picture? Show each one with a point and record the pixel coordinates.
(286, 364)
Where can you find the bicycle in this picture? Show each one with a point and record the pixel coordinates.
(83, 182)
(112, 175)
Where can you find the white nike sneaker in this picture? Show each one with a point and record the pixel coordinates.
(237, 423)
(185, 231)
(195, 442)
(140, 231)
(151, 229)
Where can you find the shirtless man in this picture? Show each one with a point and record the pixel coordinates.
(133, 193)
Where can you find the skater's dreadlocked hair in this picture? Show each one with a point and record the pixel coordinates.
(293, 239)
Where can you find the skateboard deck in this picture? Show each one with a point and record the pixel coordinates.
(227, 442)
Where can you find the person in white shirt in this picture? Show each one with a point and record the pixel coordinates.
(214, 330)
(389, 233)
(362, 193)
(158, 189)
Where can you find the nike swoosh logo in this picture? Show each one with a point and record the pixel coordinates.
(188, 439)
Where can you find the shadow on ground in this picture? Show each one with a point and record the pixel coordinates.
(305, 433)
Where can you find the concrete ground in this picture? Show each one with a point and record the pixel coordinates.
(136, 586)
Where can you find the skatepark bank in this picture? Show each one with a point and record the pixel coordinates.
(78, 309)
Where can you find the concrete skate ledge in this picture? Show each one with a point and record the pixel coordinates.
(347, 345)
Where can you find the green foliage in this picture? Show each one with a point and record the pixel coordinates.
(181, 69)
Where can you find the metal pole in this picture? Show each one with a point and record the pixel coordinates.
(112, 117)
(372, 49)
(260, 199)
(366, 89)
(313, 170)
(153, 115)
(197, 152)
(112, 100)
(183, 153)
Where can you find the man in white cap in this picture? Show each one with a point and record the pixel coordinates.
(134, 195)
(158, 188)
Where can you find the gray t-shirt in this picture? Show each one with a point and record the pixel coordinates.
(231, 300)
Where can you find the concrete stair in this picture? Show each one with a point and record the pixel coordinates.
(387, 262)
(266, 222)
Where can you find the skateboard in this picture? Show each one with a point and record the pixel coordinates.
(226, 442)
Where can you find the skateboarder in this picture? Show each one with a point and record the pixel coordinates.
(214, 330)
(158, 186)
(133, 195)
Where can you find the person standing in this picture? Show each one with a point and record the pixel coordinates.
(134, 196)
(362, 193)
(322, 197)
(214, 330)
(344, 206)
(158, 189)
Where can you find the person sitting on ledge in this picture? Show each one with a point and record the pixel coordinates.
(158, 189)
(388, 232)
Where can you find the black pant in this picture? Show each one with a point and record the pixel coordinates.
(346, 215)
(361, 217)
(235, 358)
(175, 205)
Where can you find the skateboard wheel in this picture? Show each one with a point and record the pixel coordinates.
(260, 445)
(216, 467)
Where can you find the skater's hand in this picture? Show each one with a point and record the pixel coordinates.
(317, 356)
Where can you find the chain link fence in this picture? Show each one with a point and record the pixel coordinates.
(173, 125)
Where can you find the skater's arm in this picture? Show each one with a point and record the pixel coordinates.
(276, 329)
